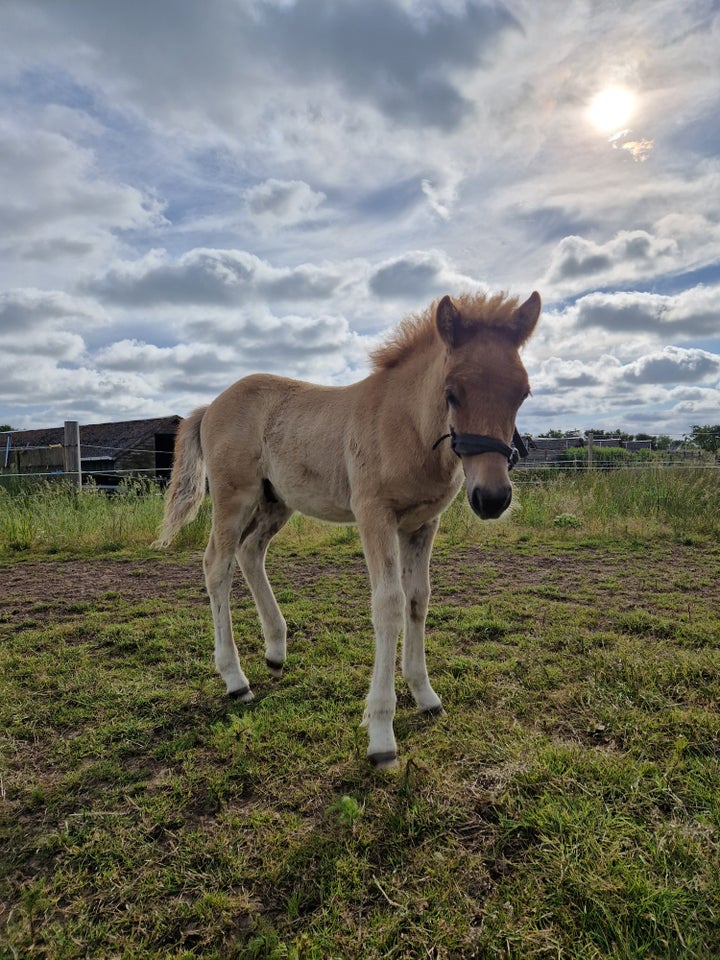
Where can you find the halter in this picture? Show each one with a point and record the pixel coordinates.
(470, 444)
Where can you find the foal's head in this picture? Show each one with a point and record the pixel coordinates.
(485, 383)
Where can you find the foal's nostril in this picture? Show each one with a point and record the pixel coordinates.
(490, 504)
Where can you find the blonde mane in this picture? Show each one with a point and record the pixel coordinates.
(478, 310)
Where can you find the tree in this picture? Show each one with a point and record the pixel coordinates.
(5, 428)
(707, 437)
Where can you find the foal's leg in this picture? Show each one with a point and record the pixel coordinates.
(379, 538)
(415, 549)
(266, 522)
(230, 516)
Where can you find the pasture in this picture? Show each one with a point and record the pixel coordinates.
(568, 804)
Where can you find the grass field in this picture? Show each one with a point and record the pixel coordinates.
(568, 804)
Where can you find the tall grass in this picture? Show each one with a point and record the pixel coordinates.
(654, 501)
(57, 519)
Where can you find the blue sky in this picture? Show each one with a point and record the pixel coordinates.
(191, 192)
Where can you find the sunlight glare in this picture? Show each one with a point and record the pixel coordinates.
(612, 108)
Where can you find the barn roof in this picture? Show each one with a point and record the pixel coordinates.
(107, 440)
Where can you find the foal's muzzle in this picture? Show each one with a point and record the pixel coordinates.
(490, 504)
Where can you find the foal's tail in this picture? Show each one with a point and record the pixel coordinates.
(187, 482)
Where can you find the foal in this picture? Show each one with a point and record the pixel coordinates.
(372, 453)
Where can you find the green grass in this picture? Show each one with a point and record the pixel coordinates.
(568, 805)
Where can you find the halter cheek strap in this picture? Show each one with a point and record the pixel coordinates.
(470, 444)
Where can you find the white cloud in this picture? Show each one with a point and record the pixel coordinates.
(673, 365)
(54, 206)
(691, 313)
(418, 275)
(223, 278)
(283, 202)
(677, 242)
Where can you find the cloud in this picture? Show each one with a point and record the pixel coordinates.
(695, 404)
(639, 150)
(23, 310)
(58, 205)
(418, 274)
(673, 365)
(442, 192)
(690, 313)
(578, 257)
(283, 202)
(223, 278)
(212, 356)
(399, 58)
(404, 67)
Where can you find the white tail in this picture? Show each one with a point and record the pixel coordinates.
(187, 482)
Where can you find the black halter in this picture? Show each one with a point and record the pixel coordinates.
(470, 444)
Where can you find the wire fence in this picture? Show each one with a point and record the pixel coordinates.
(530, 472)
(523, 472)
(101, 465)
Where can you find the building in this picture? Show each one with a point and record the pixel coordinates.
(549, 450)
(108, 451)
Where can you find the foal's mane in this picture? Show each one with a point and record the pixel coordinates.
(417, 331)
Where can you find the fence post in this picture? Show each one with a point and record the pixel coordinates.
(71, 452)
(590, 439)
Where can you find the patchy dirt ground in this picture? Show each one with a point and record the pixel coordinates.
(641, 575)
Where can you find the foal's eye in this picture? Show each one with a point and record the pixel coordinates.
(452, 400)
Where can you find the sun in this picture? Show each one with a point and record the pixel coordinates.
(611, 109)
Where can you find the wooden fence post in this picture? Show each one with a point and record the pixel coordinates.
(71, 451)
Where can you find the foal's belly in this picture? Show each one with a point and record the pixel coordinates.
(316, 503)
(329, 512)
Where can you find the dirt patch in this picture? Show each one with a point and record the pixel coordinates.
(466, 575)
(77, 581)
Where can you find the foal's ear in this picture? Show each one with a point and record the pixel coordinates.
(447, 318)
(526, 317)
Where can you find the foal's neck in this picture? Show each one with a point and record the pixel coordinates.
(425, 377)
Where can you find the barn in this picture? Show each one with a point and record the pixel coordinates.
(108, 451)
(548, 450)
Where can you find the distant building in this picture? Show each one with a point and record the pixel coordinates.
(547, 450)
(108, 451)
(607, 442)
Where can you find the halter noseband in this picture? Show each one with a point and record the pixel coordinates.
(470, 444)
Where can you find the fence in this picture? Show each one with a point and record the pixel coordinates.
(143, 449)
(695, 459)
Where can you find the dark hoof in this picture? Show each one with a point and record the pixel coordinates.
(434, 711)
(383, 761)
(275, 668)
(244, 695)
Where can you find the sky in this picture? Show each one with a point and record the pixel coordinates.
(194, 191)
